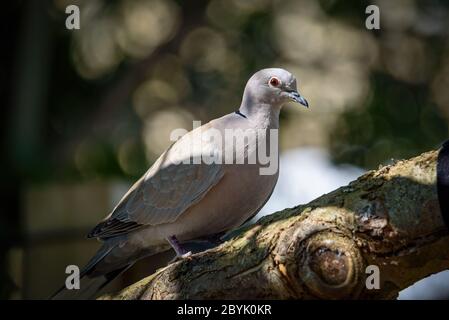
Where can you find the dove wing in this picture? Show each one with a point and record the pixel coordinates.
(166, 191)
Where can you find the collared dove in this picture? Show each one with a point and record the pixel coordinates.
(176, 200)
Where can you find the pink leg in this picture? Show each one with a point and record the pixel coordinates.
(180, 251)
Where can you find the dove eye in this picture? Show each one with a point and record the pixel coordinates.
(275, 82)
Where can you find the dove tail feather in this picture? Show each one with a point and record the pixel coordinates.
(98, 272)
(89, 287)
(90, 283)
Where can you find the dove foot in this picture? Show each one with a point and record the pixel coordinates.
(186, 255)
(214, 239)
(181, 253)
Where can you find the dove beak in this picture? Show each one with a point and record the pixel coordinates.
(295, 96)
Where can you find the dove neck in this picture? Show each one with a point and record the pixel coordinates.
(263, 115)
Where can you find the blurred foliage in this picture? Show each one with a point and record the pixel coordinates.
(138, 66)
(100, 102)
(399, 122)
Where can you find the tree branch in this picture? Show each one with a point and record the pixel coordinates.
(389, 218)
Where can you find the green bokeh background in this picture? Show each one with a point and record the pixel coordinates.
(92, 105)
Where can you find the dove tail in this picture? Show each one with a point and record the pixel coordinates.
(89, 286)
(100, 271)
(91, 282)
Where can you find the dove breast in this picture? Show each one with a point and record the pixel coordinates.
(239, 194)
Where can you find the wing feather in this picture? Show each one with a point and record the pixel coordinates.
(167, 190)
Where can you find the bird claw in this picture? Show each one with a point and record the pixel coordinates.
(185, 256)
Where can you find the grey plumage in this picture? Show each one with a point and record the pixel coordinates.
(191, 201)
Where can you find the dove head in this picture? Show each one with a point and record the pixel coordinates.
(271, 87)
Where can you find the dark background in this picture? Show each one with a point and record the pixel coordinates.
(85, 112)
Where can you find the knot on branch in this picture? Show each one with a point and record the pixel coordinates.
(327, 264)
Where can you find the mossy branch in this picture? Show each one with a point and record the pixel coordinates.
(388, 217)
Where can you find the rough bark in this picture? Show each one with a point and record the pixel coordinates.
(389, 217)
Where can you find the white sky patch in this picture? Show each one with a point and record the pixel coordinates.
(304, 175)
